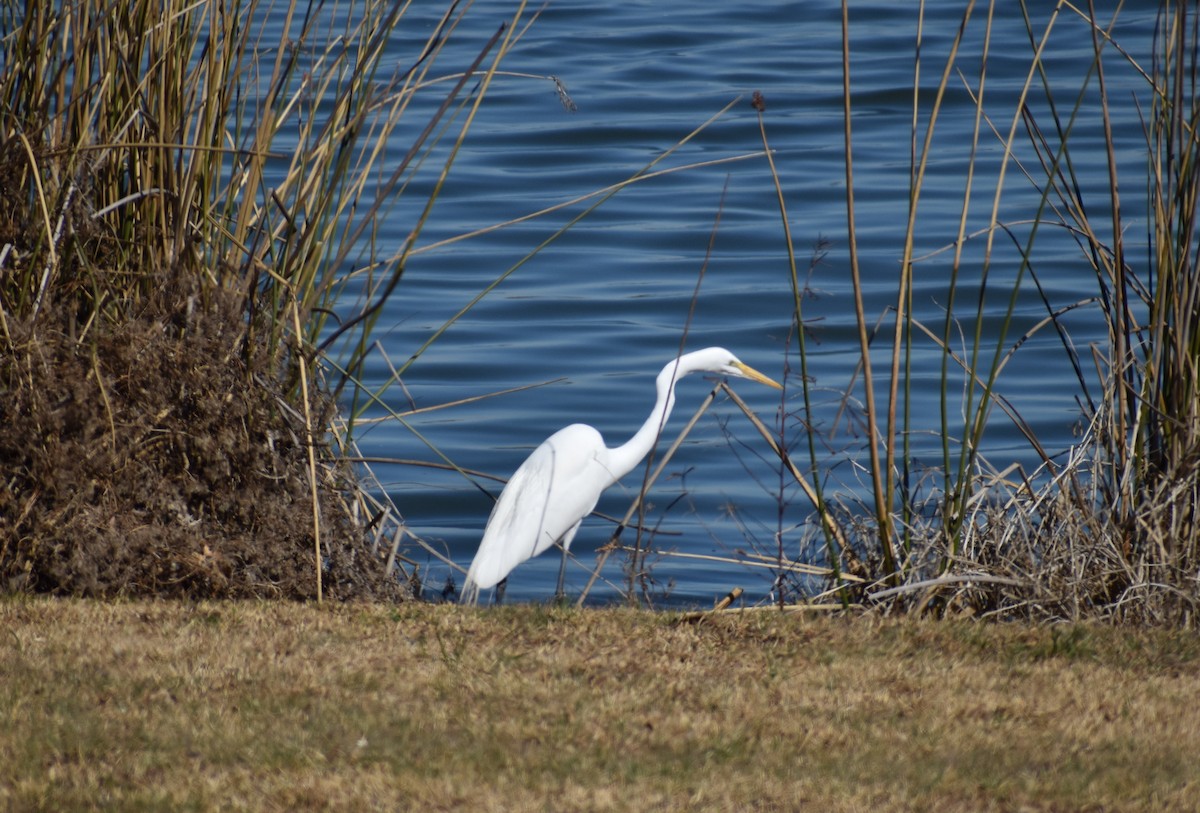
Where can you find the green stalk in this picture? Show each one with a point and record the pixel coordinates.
(833, 550)
(903, 333)
(883, 508)
(951, 525)
(977, 412)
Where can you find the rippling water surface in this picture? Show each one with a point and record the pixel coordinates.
(601, 309)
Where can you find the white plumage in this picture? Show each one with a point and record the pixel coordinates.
(561, 481)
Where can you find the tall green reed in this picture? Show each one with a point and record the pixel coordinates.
(185, 140)
(1112, 523)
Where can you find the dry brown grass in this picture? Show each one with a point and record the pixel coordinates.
(160, 462)
(269, 706)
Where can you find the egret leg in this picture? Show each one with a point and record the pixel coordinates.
(498, 596)
(564, 543)
(561, 592)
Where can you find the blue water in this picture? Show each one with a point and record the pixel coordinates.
(602, 308)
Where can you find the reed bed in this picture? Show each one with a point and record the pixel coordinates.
(1106, 528)
(189, 281)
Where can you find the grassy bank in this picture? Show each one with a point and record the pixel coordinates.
(261, 706)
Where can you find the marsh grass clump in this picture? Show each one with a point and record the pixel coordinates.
(152, 459)
(183, 189)
(1106, 528)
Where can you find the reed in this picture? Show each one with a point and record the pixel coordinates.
(181, 164)
(1108, 527)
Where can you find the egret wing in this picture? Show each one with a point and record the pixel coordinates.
(556, 487)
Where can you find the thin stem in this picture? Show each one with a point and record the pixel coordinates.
(883, 512)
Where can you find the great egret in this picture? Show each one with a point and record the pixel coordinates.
(560, 483)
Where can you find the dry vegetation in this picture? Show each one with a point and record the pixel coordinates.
(154, 459)
(164, 307)
(182, 299)
(168, 272)
(1106, 528)
(256, 706)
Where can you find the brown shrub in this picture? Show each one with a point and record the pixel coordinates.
(155, 455)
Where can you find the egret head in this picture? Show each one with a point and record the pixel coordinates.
(720, 360)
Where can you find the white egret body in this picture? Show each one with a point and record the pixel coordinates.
(560, 483)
